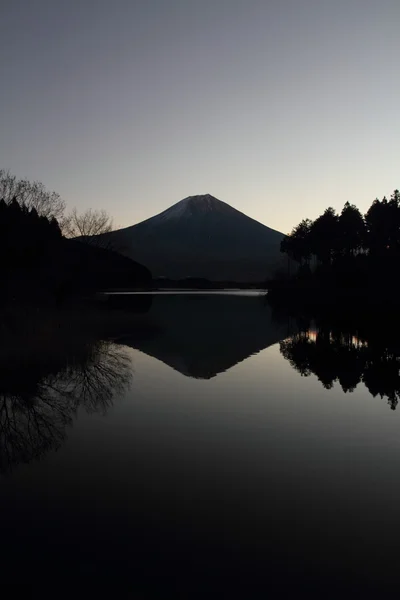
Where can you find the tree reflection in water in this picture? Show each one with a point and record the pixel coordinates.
(36, 408)
(336, 355)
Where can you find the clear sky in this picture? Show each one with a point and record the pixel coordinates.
(278, 107)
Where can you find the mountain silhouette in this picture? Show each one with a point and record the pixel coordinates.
(201, 236)
(204, 335)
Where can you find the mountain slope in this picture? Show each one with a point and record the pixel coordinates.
(201, 236)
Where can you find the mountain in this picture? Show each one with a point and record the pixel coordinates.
(201, 236)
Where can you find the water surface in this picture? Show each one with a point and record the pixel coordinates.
(213, 457)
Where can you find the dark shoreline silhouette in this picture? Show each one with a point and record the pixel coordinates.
(40, 267)
(342, 260)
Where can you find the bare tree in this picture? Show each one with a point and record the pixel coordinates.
(32, 194)
(87, 224)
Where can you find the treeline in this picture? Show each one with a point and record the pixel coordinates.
(25, 236)
(40, 264)
(332, 236)
(344, 255)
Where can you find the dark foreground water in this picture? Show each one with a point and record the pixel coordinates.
(217, 457)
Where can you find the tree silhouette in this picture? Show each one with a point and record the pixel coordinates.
(351, 230)
(324, 236)
(32, 195)
(297, 244)
(87, 225)
(353, 253)
(379, 227)
(25, 236)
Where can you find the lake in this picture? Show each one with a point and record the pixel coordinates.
(228, 453)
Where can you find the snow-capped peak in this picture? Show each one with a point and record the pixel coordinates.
(190, 206)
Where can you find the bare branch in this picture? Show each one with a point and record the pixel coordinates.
(32, 195)
(89, 224)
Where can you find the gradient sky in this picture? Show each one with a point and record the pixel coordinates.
(278, 107)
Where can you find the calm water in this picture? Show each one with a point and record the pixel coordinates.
(218, 456)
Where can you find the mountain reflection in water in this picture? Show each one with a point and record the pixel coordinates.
(198, 336)
(340, 354)
(204, 335)
(244, 479)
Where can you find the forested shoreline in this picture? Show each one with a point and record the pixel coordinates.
(344, 257)
(41, 263)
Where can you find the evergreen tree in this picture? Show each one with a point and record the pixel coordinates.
(324, 236)
(351, 230)
(297, 244)
(379, 227)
